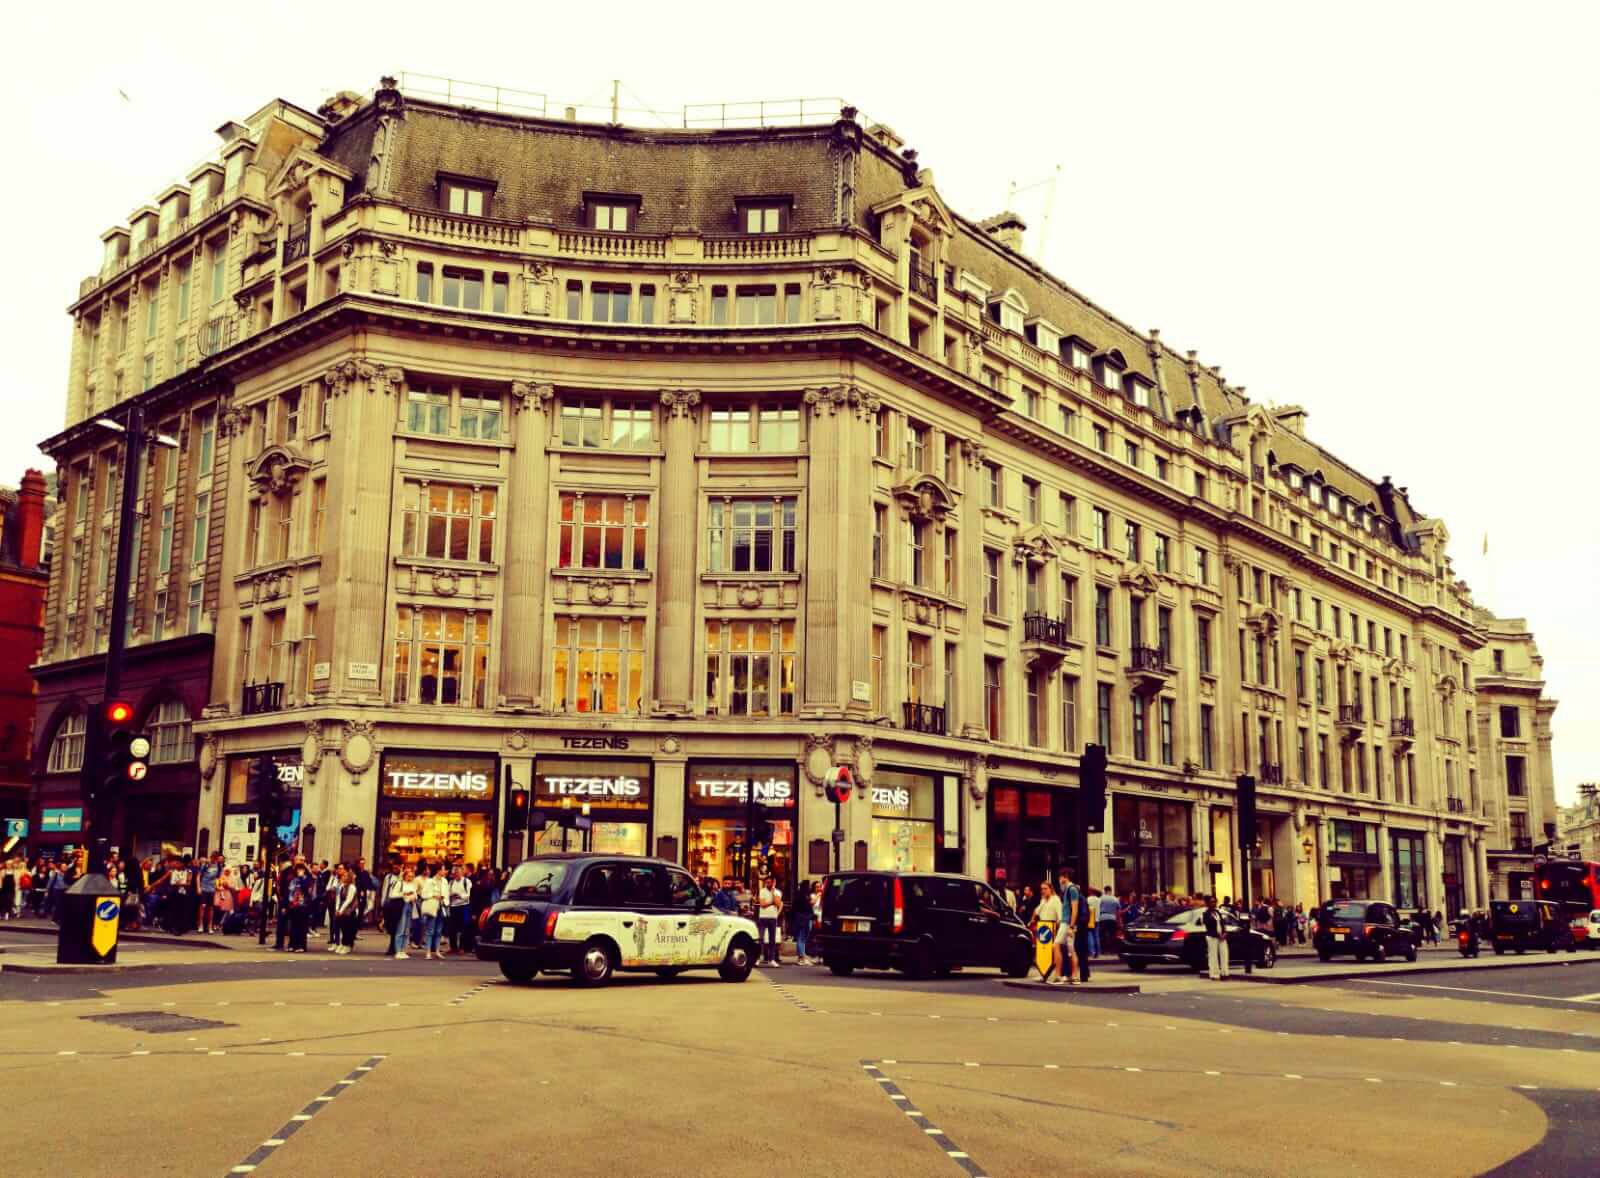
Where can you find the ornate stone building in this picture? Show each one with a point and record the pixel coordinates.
(659, 471)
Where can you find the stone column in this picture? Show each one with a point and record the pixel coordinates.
(1319, 851)
(355, 565)
(1480, 870)
(668, 809)
(1385, 888)
(527, 528)
(1433, 872)
(969, 696)
(821, 690)
(675, 554)
(1200, 879)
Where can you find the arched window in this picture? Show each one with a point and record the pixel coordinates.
(66, 750)
(171, 733)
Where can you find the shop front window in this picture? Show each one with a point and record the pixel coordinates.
(1152, 840)
(740, 822)
(902, 822)
(583, 805)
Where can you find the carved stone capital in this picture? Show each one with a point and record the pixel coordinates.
(528, 394)
(679, 402)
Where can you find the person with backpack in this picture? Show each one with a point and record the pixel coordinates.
(1075, 931)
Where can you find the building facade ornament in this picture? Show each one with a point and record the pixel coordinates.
(531, 394)
(817, 759)
(359, 748)
(679, 402)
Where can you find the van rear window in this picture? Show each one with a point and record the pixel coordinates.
(1347, 911)
(856, 895)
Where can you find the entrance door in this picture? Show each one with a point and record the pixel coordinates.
(1041, 859)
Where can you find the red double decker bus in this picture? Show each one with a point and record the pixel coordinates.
(1572, 883)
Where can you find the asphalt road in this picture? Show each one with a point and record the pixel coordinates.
(1572, 985)
(319, 1065)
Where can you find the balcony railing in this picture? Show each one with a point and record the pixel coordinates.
(298, 244)
(1403, 726)
(1147, 658)
(758, 245)
(475, 230)
(261, 697)
(215, 334)
(1350, 714)
(1270, 774)
(923, 283)
(1043, 628)
(1455, 805)
(924, 718)
(1523, 846)
(612, 245)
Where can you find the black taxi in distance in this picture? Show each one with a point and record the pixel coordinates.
(1530, 924)
(1365, 929)
(591, 915)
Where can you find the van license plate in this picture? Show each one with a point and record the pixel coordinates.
(1338, 936)
(508, 934)
(856, 926)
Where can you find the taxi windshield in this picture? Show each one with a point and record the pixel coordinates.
(535, 879)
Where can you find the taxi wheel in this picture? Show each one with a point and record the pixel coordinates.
(1380, 954)
(596, 965)
(1138, 966)
(1269, 957)
(1411, 953)
(840, 970)
(920, 962)
(520, 974)
(1324, 955)
(1021, 963)
(736, 966)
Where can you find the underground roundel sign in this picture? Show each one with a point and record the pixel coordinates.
(839, 784)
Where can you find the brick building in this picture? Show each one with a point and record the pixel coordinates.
(23, 578)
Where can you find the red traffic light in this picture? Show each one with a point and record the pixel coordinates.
(118, 712)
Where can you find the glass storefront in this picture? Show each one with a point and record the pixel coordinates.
(1030, 832)
(240, 801)
(724, 802)
(590, 805)
(1409, 888)
(1152, 839)
(1455, 892)
(1353, 867)
(903, 821)
(437, 807)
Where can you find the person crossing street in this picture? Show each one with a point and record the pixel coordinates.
(1216, 926)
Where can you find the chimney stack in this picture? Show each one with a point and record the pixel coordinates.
(1006, 228)
(30, 519)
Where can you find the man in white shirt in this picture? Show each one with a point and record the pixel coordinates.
(770, 907)
(460, 896)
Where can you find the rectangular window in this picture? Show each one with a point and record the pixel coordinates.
(1033, 702)
(183, 276)
(879, 522)
(1131, 453)
(1202, 566)
(464, 201)
(1030, 499)
(612, 217)
(201, 527)
(991, 581)
(1102, 615)
(1322, 684)
(749, 535)
(1511, 722)
(610, 302)
(1208, 750)
(1069, 514)
(763, 218)
(447, 522)
(1069, 713)
(603, 531)
(480, 416)
(574, 299)
(993, 701)
(880, 639)
(952, 566)
(1102, 709)
(424, 282)
(778, 428)
(441, 657)
(919, 540)
(1102, 438)
(919, 668)
(164, 550)
(1202, 635)
(791, 303)
(1516, 777)
(427, 412)
(1165, 706)
(598, 665)
(750, 668)
(1069, 602)
(463, 288)
(647, 303)
(194, 607)
(500, 292)
(319, 511)
(1102, 528)
(1163, 545)
(1164, 633)
(1299, 674)
(731, 431)
(992, 493)
(218, 257)
(756, 305)
(580, 422)
(1132, 541)
(719, 305)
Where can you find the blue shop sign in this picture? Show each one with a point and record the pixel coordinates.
(66, 819)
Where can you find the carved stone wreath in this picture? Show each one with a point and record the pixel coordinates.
(359, 747)
(817, 759)
(207, 758)
(750, 596)
(445, 583)
(311, 747)
(517, 740)
(599, 592)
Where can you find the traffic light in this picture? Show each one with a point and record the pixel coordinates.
(1092, 787)
(268, 793)
(517, 810)
(124, 753)
(1246, 786)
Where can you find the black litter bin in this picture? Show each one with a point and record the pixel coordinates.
(90, 914)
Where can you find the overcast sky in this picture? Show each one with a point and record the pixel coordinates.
(1384, 212)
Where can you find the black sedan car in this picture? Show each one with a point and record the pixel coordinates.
(1180, 939)
(1365, 929)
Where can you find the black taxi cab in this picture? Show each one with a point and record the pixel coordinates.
(592, 915)
(1521, 925)
(1366, 929)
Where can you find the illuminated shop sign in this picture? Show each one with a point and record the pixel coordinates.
(898, 798)
(614, 785)
(771, 791)
(439, 785)
(593, 787)
(438, 777)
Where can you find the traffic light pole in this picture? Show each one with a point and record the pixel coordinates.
(97, 805)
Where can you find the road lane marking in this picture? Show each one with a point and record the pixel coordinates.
(929, 1130)
(1587, 998)
(297, 1122)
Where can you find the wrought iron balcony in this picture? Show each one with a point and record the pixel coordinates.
(298, 244)
(215, 334)
(262, 697)
(1148, 669)
(1402, 730)
(924, 283)
(1045, 640)
(924, 718)
(1270, 774)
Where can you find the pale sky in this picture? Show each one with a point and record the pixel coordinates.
(1384, 212)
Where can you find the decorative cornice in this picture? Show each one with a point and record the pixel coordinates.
(378, 378)
(831, 399)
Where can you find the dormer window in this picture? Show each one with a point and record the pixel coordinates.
(1009, 311)
(611, 212)
(1078, 353)
(764, 214)
(1108, 374)
(1139, 390)
(464, 197)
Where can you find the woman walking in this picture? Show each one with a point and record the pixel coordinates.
(802, 922)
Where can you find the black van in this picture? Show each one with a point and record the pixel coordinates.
(1529, 924)
(919, 923)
